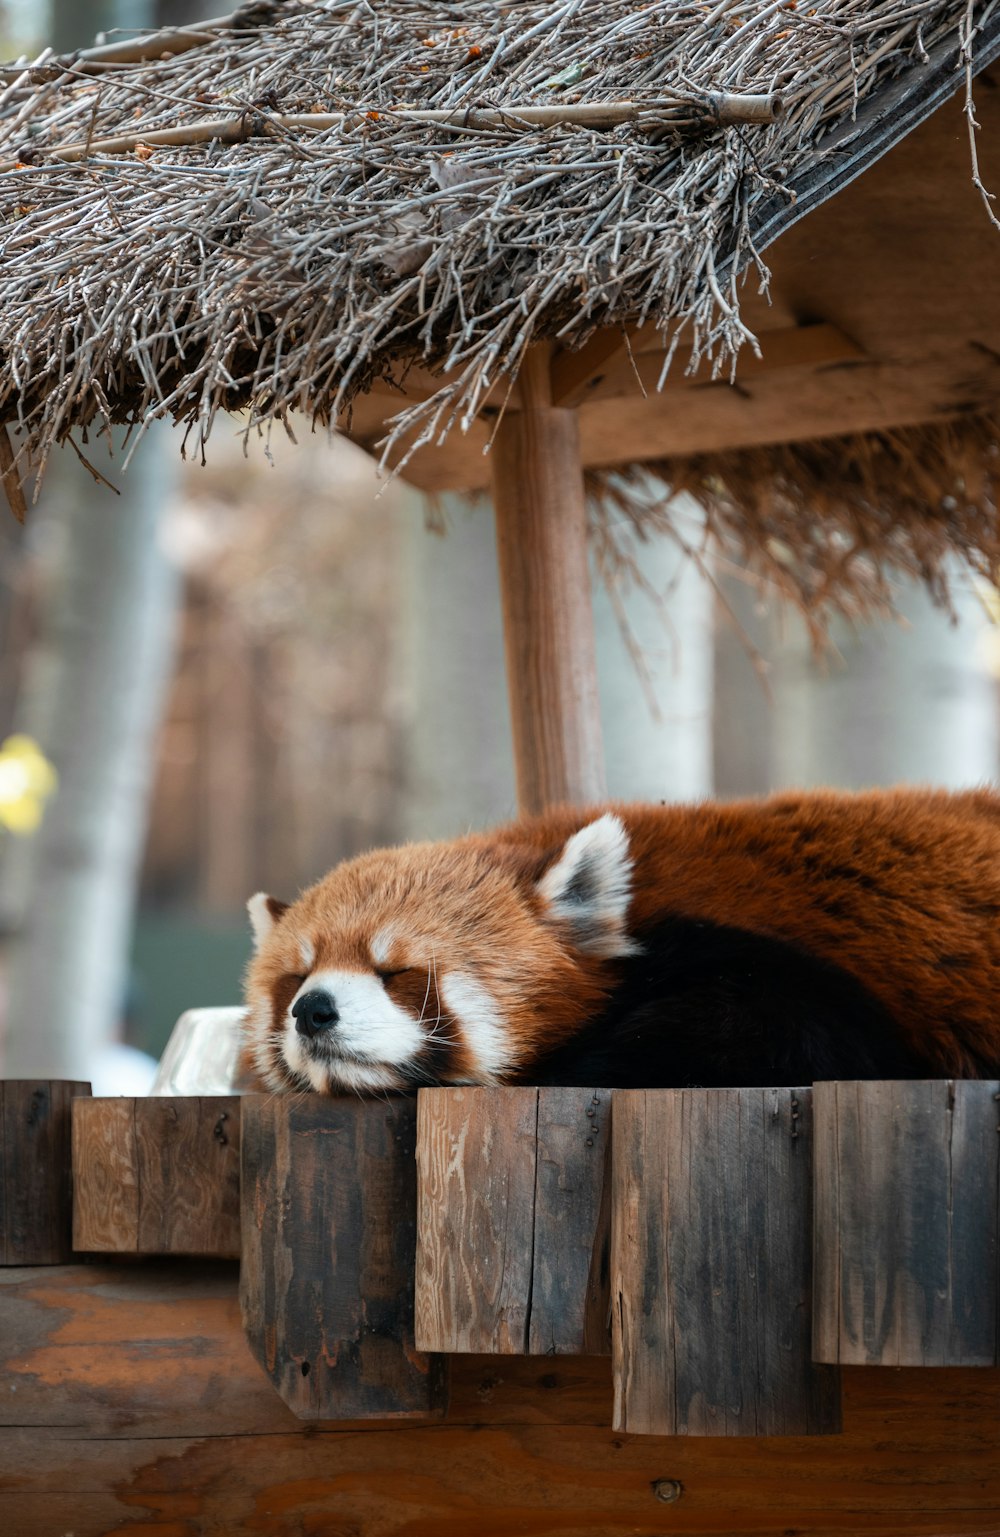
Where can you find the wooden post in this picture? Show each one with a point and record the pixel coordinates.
(541, 525)
(906, 1223)
(710, 1265)
(157, 1176)
(513, 1221)
(329, 1234)
(36, 1183)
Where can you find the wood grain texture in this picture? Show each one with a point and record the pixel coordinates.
(907, 1180)
(36, 1182)
(600, 372)
(513, 1220)
(475, 1218)
(541, 527)
(711, 1238)
(157, 1176)
(132, 1405)
(189, 1175)
(105, 1177)
(329, 1236)
(571, 1268)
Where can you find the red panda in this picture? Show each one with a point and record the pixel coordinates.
(811, 935)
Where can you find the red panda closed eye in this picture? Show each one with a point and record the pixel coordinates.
(809, 935)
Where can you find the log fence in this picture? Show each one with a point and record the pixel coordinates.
(732, 1250)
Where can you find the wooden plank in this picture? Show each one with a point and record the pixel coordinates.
(513, 1221)
(907, 1184)
(475, 1218)
(541, 522)
(711, 1228)
(795, 349)
(36, 1186)
(188, 1164)
(618, 373)
(131, 1404)
(105, 1177)
(575, 374)
(571, 1253)
(329, 1235)
(604, 377)
(781, 407)
(157, 1176)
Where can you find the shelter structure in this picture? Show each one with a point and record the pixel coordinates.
(538, 228)
(541, 228)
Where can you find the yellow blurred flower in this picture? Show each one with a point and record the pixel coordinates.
(27, 779)
(987, 640)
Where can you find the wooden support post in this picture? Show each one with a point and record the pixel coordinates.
(329, 1235)
(157, 1176)
(36, 1182)
(710, 1265)
(541, 524)
(906, 1205)
(513, 1221)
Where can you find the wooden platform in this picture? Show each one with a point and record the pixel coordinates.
(711, 1228)
(131, 1405)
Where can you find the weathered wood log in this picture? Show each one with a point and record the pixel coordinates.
(36, 1179)
(157, 1176)
(513, 1221)
(541, 523)
(710, 1265)
(329, 1237)
(906, 1200)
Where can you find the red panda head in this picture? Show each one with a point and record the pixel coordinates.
(437, 963)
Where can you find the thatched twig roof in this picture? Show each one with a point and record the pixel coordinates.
(313, 196)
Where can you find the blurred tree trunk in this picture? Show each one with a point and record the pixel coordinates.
(92, 697)
(452, 702)
(655, 645)
(912, 701)
(453, 696)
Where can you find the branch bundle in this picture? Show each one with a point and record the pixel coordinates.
(413, 181)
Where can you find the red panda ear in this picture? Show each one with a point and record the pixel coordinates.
(264, 913)
(588, 888)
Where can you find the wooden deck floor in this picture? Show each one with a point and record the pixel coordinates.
(129, 1403)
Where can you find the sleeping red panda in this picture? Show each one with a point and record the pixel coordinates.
(818, 935)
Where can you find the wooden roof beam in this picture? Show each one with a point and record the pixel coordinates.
(579, 376)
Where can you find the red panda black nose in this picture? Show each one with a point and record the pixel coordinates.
(314, 1012)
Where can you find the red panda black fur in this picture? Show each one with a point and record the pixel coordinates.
(809, 935)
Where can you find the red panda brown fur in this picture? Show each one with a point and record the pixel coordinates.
(898, 888)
